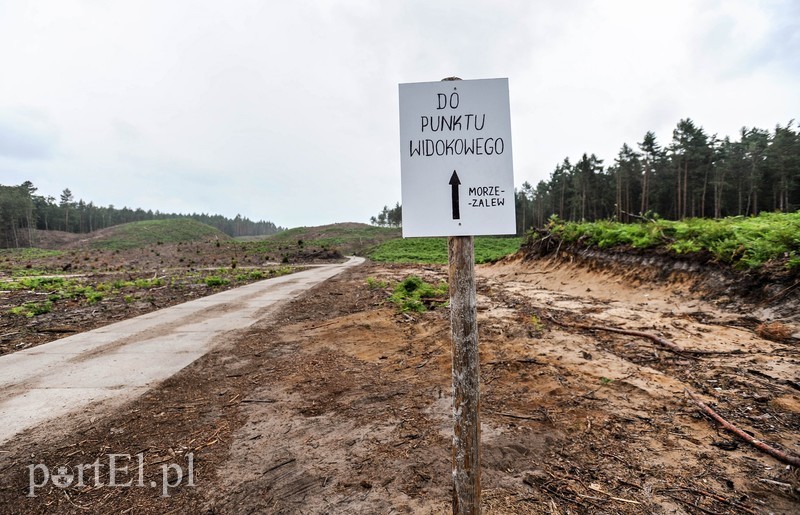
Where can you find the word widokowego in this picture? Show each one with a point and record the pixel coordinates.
(453, 123)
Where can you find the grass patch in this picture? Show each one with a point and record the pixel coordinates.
(375, 284)
(32, 309)
(19, 262)
(348, 238)
(434, 250)
(215, 280)
(414, 294)
(93, 296)
(743, 242)
(76, 291)
(29, 253)
(148, 283)
(156, 232)
(34, 283)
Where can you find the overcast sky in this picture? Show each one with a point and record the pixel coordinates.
(288, 111)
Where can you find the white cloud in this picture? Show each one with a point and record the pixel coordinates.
(26, 134)
(288, 112)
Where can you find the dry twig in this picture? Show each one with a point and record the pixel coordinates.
(721, 499)
(775, 453)
(667, 344)
(657, 339)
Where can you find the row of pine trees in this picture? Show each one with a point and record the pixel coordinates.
(22, 212)
(692, 175)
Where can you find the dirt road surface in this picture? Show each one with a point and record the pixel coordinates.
(337, 403)
(120, 361)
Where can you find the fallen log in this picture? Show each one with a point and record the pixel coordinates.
(775, 453)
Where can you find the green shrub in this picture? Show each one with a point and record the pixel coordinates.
(743, 242)
(215, 280)
(284, 270)
(374, 284)
(40, 283)
(93, 297)
(32, 309)
(414, 294)
(256, 275)
(148, 283)
(794, 261)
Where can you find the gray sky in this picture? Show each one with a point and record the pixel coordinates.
(288, 111)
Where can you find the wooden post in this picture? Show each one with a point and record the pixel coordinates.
(466, 377)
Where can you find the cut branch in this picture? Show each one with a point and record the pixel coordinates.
(775, 453)
(667, 344)
(520, 417)
(655, 338)
(721, 499)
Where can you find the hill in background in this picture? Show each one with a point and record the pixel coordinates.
(348, 238)
(298, 245)
(23, 212)
(131, 235)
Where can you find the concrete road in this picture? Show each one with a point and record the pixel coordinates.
(119, 362)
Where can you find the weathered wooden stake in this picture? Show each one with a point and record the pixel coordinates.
(466, 377)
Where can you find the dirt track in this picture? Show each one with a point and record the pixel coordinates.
(338, 404)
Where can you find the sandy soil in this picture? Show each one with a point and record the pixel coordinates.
(338, 404)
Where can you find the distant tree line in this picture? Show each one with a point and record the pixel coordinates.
(388, 217)
(694, 175)
(22, 212)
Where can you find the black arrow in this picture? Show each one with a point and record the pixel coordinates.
(455, 183)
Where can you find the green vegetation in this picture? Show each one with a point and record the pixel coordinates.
(66, 288)
(93, 297)
(33, 283)
(31, 309)
(156, 232)
(23, 212)
(258, 274)
(434, 250)
(215, 280)
(414, 294)
(82, 290)
(27, 254)
(691, 175)
(347, 238)
(744, 242)
(389, 217)
(19, 262)
(253, 275)
(374, 284)
(536, 322)
(146, 283)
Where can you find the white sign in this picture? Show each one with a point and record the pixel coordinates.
(455, 165)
